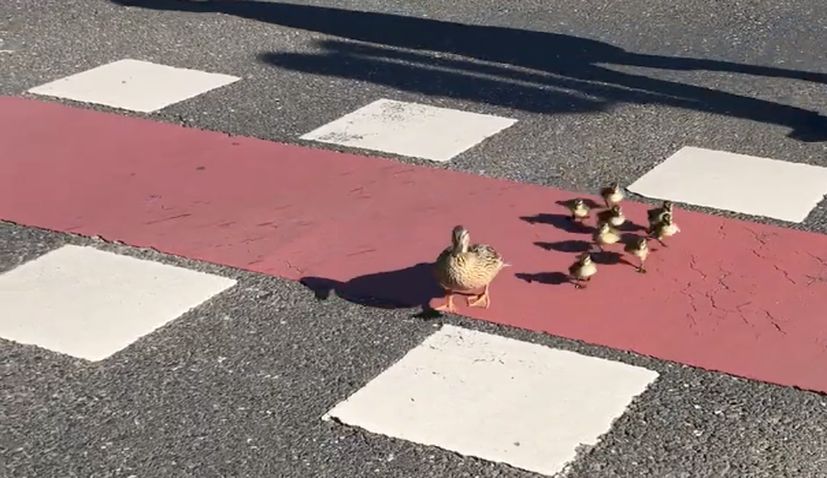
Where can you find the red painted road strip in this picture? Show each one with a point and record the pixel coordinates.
(738, 297)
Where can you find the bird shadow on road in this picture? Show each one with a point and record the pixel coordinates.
(604, 257)
(630, 226)
(588, 202)
(566, 246)
(550, 278)
(406, 288)
(575, 248)
(560, 221)
(534, 71)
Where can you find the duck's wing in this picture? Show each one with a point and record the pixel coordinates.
(485, 253)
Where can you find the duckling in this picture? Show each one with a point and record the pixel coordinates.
(582, 270)
(466, 268)
(612, 195)
(613, 216)
(605, 235)
(665, 228)
(656, 214)
(639, 248)
(579, 210)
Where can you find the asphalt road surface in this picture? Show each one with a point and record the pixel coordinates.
(237, 386)
(600, 90)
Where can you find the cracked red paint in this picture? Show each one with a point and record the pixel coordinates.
(738, 297)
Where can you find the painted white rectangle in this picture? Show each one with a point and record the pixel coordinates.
(89, 303)
(134, 85)
(736, 182)
(410, 129)
(496, 398)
